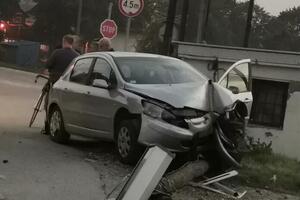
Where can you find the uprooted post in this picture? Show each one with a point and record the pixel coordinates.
(146, 179)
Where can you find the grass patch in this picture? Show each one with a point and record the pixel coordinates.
(259, 168)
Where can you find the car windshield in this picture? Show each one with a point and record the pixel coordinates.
(144, 70)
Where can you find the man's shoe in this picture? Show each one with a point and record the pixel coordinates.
(44, 132)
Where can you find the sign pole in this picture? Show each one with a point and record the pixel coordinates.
(79, 15)
(130, 9)
(110, 10)
(127, 33)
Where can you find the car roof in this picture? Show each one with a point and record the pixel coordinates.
(117, 54)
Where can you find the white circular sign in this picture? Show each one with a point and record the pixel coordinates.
(131, 8)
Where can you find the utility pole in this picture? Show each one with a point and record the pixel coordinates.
(249, 22)
(201, 20)
(206, 20)
(169, 27)
(79, 15)
(184, 13)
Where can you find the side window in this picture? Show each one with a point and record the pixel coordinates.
(81, 71)
(237, 80)
(102, 70)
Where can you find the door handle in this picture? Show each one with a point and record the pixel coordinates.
(65, 88)
(88, 92)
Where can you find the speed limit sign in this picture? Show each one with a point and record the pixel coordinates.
(131, 8)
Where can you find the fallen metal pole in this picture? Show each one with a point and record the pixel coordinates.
(146, 175)
(182, 176)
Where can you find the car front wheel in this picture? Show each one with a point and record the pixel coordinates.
(56, 126)
(126, 141)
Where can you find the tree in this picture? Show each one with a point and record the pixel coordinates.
(261, 20)
(54, 19)
(94, 12)
(8, 8)
(151, 21)
(227, 23)
(284, 31)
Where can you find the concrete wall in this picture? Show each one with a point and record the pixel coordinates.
(287, 140)
(267, 65)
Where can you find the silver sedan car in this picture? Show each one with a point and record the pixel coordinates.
(137, 100)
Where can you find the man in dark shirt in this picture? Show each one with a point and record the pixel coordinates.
(60, 59)
(56, 65)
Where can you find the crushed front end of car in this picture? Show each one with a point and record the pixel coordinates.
(174, 129)
(217, 127)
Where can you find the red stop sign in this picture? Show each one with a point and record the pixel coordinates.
(109, 28)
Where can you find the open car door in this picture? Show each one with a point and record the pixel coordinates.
(237, 79)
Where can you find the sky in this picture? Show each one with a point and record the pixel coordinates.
(274, 7)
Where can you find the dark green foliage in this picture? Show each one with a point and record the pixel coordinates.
(153, 20)
(226, 24)
(55, 18)
(8, 8)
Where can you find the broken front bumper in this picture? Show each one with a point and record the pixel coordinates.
(174, 138)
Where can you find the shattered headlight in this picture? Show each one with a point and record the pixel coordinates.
(156, 111)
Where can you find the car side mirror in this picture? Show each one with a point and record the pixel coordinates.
(101, 83)
(234, 90)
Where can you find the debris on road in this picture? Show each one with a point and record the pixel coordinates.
(218, 187)
(90, 160)
(146, 174)
(2, 177)
(2, 197)
(92, 156)
(152, 168)
(5, 161)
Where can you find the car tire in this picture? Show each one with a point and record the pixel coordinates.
(55, 126)
(128, 148)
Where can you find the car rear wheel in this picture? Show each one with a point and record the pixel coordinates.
(126, 141)
(56, 126)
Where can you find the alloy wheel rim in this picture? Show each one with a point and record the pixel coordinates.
(55, 123)
(124, 141)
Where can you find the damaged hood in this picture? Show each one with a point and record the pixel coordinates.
(193, 95)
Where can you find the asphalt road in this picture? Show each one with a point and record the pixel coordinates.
(32, 166)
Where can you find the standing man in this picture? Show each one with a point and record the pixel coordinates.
(60, 59)
(104, 44)
(55, 67)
